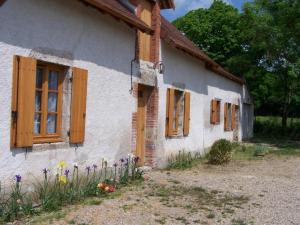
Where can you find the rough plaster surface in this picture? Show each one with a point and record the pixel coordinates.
(67, 32)
(183, 71)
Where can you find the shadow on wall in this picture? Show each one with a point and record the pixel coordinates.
(68, 29)
(192, 73)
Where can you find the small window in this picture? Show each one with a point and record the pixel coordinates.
(227, 117)
(48, 103)
(178, 113)
(215, 114)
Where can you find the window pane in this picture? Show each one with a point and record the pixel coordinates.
(51, 124)
(39, 78)
(37, 123)
(53, 80)
(52, 102)
(38, 101)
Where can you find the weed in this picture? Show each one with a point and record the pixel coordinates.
(211, 215)
(183, 160)
(238, 222)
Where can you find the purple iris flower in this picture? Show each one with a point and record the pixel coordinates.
(18, 178)
(88, 168)
(67, 172)
(122, 160)
(115, 164)
(45, 171)
(136, 159)
(95, 166)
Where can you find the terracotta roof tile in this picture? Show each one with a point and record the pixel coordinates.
(173, 37)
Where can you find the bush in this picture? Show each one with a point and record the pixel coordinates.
(220, 153)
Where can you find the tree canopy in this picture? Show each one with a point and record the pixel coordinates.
(261, 43)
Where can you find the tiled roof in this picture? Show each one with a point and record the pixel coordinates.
(173, 37)
(117, 10)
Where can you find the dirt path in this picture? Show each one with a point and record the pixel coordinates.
(252, 192)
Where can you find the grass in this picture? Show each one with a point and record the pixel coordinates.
(258, 148)
(197, 196)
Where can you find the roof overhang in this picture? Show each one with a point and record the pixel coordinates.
(115, 9)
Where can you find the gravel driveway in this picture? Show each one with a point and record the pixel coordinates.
(248, 192)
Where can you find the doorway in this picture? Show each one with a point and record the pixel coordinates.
(144, 93)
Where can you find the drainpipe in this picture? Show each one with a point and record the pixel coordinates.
(128, 5)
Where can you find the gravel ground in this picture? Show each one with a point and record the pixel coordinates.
(250, 192)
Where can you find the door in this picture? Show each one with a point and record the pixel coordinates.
(246, 121)
(143, 95)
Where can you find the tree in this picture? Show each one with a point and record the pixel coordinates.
(261, 43)
(215, 30)
(273, 30)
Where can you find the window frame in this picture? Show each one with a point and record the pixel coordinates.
(172, 122)
(43, 137)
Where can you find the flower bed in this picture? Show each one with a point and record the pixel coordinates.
(67, 186)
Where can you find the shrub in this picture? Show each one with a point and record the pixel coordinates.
(220, 153)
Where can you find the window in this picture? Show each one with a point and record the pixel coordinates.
(215, 112)
(48, 103)
(227, 117)
(178, 113)
(37, 92)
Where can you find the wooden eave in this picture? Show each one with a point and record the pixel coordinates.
(113, 8)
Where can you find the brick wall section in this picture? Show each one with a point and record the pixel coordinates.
(155, 39)
(151, 128)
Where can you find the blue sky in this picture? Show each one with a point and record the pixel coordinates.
(183, 6)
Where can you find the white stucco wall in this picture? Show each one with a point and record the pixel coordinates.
(204, 86)
(69, 33)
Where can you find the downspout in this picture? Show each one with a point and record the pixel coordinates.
(134, 60)
(128, 5)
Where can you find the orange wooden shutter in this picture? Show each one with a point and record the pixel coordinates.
(23, 101)
(218, 114)
(226, 116)
(171, 112)
(213, 114)
(187, 105)
(78, 105)
(233, 122)
(167, 113)
(145, 39)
